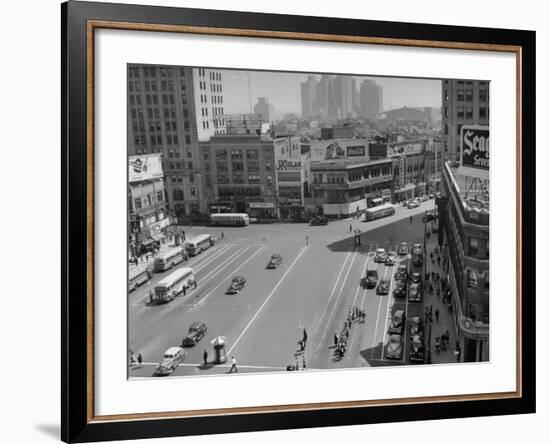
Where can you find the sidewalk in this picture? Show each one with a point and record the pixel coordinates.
(446, 320)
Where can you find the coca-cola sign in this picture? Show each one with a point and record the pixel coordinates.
(475, 147)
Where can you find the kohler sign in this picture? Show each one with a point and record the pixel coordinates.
(474, 150)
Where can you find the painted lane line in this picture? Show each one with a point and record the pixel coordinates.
(266, 300)
(391, 301)
(201, 300)
(333, 289)
(223, 265)
(212, 257)
(343, 283)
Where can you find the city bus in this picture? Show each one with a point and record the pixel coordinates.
(168, 259)
(379, 211)
(172, 285)
(228, 219)
(138, 275)
(198, 244)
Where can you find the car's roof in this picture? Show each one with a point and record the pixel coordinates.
(415, 319)
(196, 324)
(403, 243)
(275, 255)
(399, 312)
(380, 249)
(172, 350)
(395, 337)
(238, 278)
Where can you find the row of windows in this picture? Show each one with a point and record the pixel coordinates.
(147, 201)
(468, 95)
(216, 76)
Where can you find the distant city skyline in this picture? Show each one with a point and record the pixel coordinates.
(283, 91)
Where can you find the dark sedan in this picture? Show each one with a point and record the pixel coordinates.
(275, 261)
(416, 351)
(237, 284)
(400, 288)
(383, 287)
(415, 293)
(403, 249)
(196, 332)
(394, 349)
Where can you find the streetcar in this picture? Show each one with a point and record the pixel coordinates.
(230, 219)
(379, 211)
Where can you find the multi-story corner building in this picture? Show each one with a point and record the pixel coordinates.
(171, 109)
(409, 168)
(464, 232)
(465, 102)
(239, 175)
(146, 201)
(291, 177)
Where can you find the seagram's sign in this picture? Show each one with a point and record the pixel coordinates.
(474, 151)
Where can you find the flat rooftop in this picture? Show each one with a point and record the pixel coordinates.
(473, 192)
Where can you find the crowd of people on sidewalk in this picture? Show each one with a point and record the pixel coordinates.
(340, 344)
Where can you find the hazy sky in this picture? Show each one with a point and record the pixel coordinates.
(283, 91)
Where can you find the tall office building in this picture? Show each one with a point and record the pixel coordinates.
(370, 98)
(171, 109)
(264, 109)
(309, 96)
(323, 95)
(464, 102)
(342, 96)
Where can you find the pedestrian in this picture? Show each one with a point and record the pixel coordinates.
(222, 235)
(195, 285)
(439, 260)
(233, 365)
(305, 335)
(302, 344)
(350, 228)
(307, 240)
(447, 336)
(336, 339)
(364, 316)
(205, 357)
(437, 315)
(431, 309)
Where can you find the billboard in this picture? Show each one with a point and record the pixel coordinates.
(355, 151)
(338, 149)
(474, 151)
(378, 150)
(145, 167)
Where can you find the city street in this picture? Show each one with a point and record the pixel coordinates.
(314, 288)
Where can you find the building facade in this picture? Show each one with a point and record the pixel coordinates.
(171, 109)
(290, 177)
(409, 163)
(239, 175)
(465, 102)
(146, 202)
(464, 234)
(264, 109)
(308, 90)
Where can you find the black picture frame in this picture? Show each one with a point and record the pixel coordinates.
(77, 425)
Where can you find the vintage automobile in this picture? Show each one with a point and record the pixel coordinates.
(318, 220)
(417, 249)
(383, 286)
(170, 361)
(417, 327)
(196, 332)
(415, 293)
(394, 348)
(236, 285)
(371, 279)
(416, 350)
(403, 249)
(402, 272)
(390, 258)
(397, 323)
(275, 261)
(380, 255)
(400, 288)
(416, 278)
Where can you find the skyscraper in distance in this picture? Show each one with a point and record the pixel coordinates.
(370, 98)
(308, 91)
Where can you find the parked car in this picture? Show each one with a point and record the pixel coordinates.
(416, 350)
(402, 272)
(415, 293)
(416, 278)
(417, 249)
(170, 361)
(394, 348)
(417, 327)
(371, 279)
(403, 249)
(380, 255)
(413, 204)
(275, 261)
(318, 220)
(236, 285)
(383, 286)
(397, 322)
(196, 332)
(390, 258)
(428, 217)
(400, 288)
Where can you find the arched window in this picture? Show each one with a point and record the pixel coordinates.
(177, 194)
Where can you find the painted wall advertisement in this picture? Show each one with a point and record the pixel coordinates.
(145, 167)
(338, 149)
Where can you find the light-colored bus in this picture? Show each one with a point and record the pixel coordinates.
(168, 259)
(138, 275)
(228, 219)
(379, 211)
(198, 244)
(172, 285)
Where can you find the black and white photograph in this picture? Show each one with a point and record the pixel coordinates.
(301, 221)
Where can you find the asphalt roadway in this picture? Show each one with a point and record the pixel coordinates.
(314, 288)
